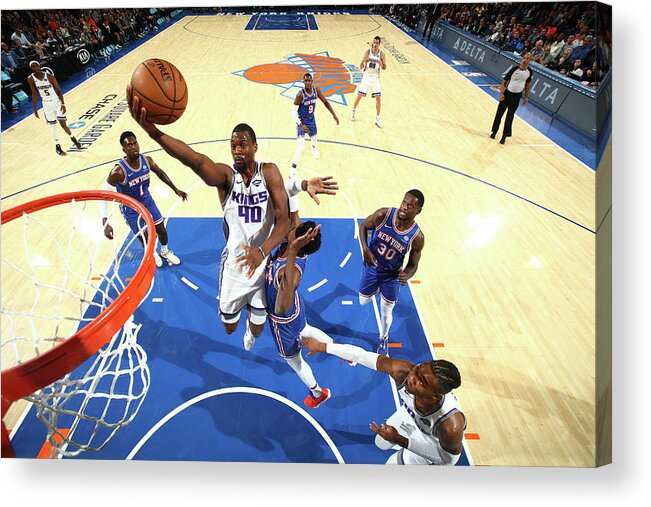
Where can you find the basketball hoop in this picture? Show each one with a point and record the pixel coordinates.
(79, 308)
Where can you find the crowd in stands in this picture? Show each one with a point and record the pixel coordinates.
(43, 34)
(564, 37)
(569, 38)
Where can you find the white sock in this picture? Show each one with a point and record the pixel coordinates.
(386, 317)
(55, 133)
(304, 372)
(313, 140)
(300, 143)
(163, 249)
(313, 332)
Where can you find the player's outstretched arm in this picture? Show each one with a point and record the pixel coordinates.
(397, 369)
(414, 258)
(213, 174)
(291, 276)
(166, 179)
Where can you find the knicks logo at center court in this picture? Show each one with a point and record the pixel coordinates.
(334, 77)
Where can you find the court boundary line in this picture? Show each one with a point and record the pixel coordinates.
(342, 143)
(234, 390)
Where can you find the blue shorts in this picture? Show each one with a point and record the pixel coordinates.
(133, 218)
(311, 125)
(287, 334)
(374, 280)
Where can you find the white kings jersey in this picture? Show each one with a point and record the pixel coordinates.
(428, 422)
(372, 68)
(45, 88)
(248, 213)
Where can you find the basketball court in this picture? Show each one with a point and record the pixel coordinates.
(505, 288)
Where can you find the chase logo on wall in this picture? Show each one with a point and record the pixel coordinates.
(333, 76)
(83, 56)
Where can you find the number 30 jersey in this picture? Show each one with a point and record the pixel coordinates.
(248, 213)
(389, 244)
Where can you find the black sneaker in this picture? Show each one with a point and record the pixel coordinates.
(59, 150)
(76, 143)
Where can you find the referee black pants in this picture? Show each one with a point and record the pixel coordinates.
(510, 104)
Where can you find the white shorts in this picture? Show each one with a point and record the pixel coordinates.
(373, 83)
(236, 291)
(402, 421)
(53, 111)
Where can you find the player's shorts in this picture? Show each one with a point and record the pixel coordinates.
(53, 111)
(311, 125)
(134, 219)
(374, 280)
(370, 82)
(236, 291)
(287, 333)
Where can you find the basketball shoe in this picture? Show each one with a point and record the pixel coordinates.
(59, 150)
(171, 259)
(157, 259)
(383, 346)
(75, 142)
(378, 122)
(316, 153)
(311, 402)
(352, 115)
(249, 339)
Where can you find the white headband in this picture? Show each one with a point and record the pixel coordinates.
(34, 62)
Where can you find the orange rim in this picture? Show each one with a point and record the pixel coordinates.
(26, 378)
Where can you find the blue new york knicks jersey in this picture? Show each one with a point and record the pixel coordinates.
(307, 106)
(390, 245)
(284, 328)
(136, 183)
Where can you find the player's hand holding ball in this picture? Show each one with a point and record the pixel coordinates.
(157, 93)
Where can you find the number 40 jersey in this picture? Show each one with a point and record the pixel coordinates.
(248, 213)
(389, 244)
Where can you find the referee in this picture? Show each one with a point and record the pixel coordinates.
(517, 79)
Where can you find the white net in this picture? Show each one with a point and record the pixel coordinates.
(59, 273)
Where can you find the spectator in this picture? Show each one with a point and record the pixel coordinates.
(538, 52)
(583, 50)
(8, 100)
(40, 48)
(480, 29)
(53, 44)
(564, 63)
(22, 37)
(547, 56)
(20, 51)
(576, 72)
(557, 46)
(9, 59)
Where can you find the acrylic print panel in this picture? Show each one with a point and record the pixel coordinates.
(507, 287)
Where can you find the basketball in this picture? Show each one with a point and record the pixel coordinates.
(162, 90)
